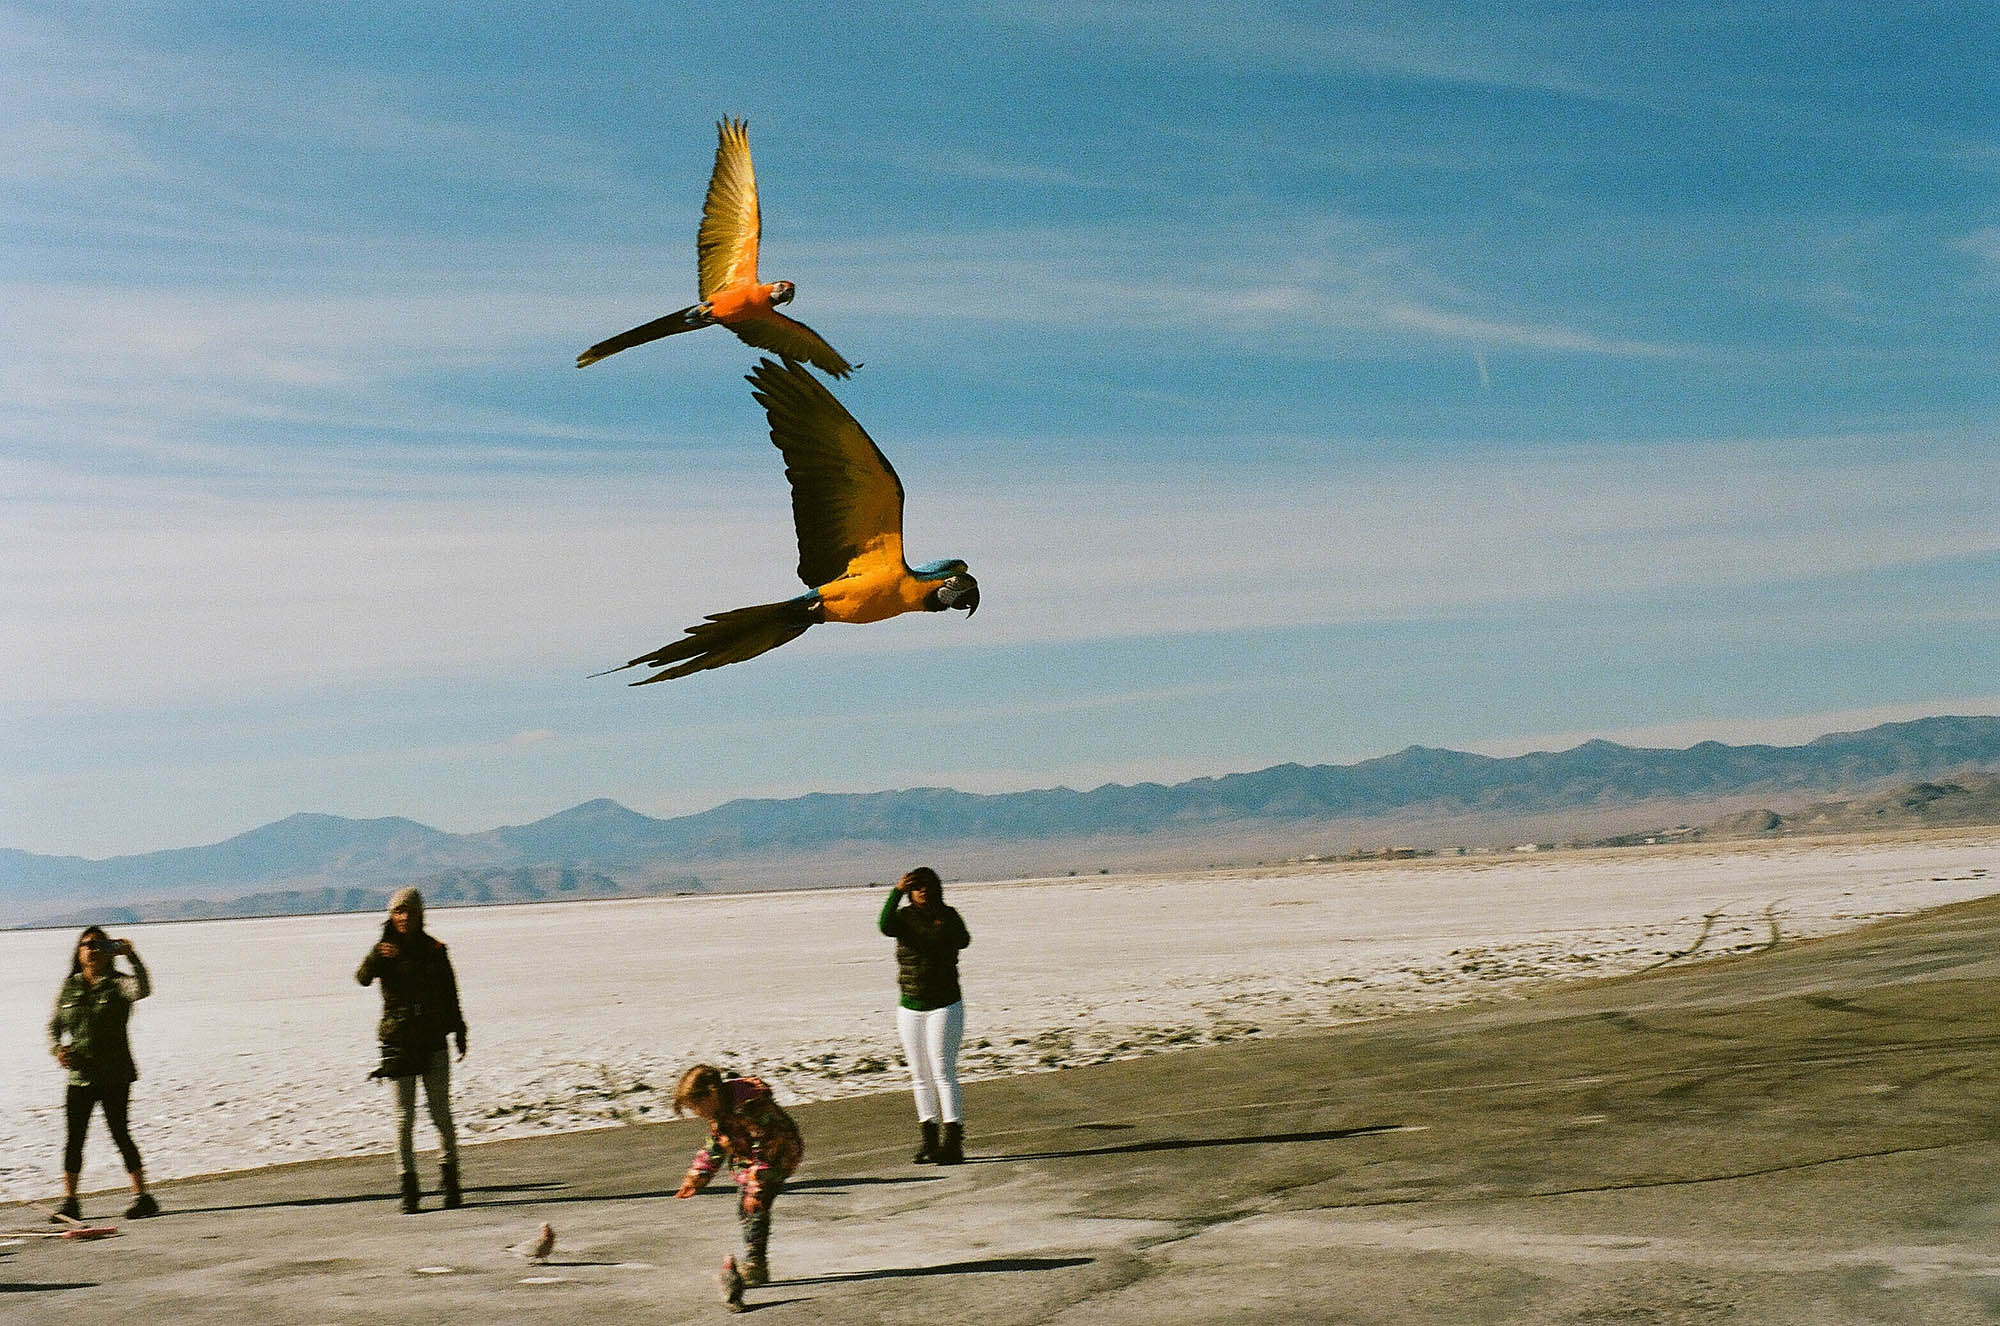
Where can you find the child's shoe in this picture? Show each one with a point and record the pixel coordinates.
(756, 1271)
(142, 1208)
(730, 1282)
(69, 1210)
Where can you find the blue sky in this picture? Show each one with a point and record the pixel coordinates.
(1300, 382)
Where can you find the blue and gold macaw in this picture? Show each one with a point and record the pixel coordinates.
(847, 505)
(732, 227)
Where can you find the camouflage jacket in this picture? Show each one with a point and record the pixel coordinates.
(91, 1020)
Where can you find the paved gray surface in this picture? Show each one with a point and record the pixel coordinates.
(1806, 1135)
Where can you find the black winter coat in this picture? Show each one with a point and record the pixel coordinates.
(419, 1001)
(927, 943)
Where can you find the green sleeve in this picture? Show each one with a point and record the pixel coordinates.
(888, 922)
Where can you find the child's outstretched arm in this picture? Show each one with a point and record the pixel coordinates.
(702, 1169)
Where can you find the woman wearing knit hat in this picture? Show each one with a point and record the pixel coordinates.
(419, 1010)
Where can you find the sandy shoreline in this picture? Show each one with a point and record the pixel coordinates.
(1062, 973)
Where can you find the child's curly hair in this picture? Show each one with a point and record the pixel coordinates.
(702, 1083)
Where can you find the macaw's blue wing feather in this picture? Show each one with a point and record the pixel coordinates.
(729, 637)
(846, 498)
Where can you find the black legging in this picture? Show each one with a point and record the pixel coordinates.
(77, 1103)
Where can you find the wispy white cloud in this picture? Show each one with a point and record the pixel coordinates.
(1315, 285)
(133, 368)
(1354, 542)
(981, 166)
(89, 113)
(40, 149)
(310, 386)
(213, 592)
(122, 339)
(1515, 335)
(1984, 246)
(1740, 62)
(1369, 39)
(264, 591)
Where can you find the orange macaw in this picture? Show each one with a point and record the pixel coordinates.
(731, 294)
(847, 505)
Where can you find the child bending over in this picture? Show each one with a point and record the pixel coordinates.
(763, 1147)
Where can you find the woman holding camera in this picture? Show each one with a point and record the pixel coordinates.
(87, 1035)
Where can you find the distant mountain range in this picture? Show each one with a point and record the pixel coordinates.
(1967, 800)
(601, 849)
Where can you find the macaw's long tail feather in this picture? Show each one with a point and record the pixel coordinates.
(686, 319)
(729, 637)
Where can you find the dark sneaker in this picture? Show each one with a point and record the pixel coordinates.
(730, 1282)
(142, 1208)
(68, 1211)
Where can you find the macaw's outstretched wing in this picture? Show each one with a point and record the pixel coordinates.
(847, 502)
(726, 244)
(793, 340)
(729, 637)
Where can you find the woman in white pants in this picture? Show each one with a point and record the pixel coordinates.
(930, 1016)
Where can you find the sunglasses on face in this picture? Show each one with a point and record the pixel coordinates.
(97, 945)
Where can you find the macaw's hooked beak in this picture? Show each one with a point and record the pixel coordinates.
(782, 292)
(959, 591)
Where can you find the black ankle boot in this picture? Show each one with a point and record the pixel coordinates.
(453, 1198)
(951, 1151)
(413, 1195)
(927, 1154)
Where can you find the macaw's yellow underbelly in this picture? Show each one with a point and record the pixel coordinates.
(873, 597)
